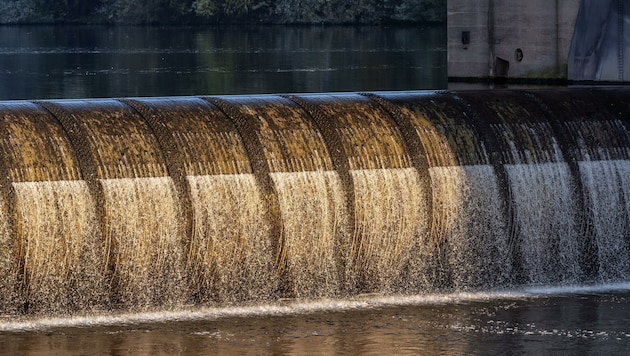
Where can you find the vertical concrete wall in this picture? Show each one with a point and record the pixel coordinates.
(519, 39)
(601, 41)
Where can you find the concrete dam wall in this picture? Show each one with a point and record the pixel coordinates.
(601, 42)
(159, 202)
(585, 40)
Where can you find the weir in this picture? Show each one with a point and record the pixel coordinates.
(136, 203)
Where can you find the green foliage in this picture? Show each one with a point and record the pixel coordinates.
(205, 8)
(29, 11)
(211, 8)
(421, 11)
(236, 6)
(145, 11)
(15, 12)
(325, 11)
(40, 11)
(210, 11)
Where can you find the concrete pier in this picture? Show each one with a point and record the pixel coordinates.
(601, 41)
(509, 38)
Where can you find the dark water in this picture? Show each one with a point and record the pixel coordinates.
(563, 321)
(45, 62)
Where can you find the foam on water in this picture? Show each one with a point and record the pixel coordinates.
(303, 307)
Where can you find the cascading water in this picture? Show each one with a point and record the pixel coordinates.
(164, 202)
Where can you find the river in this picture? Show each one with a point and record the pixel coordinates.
(43, 62)
(49, 62)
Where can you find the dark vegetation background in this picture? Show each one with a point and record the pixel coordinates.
(200, 12)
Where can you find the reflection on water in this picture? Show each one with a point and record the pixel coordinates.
(44, 62)
(561, 321)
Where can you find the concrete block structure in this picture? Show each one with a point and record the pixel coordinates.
(600, 48)
(509, 38)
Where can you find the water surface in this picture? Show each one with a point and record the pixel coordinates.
(543, 321)
(42, 62)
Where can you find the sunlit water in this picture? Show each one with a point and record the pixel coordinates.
(535, 321)
(540, 319)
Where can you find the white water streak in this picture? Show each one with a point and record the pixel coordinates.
(144, 236)
(303, 307)
(544, 199)
(314, 220)
(230, 256)
(60, 244)
(468, 217)
(606, 183)
(7, 263)
(390, 226)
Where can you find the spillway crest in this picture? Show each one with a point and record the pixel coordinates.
(142, 203)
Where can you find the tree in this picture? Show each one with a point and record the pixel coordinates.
(205, 8)
(335, 11)
(145, 11)
(183, 11)
(236, 6)
(80, 9)
(421, 11)
(15, 11)
(213, 8)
